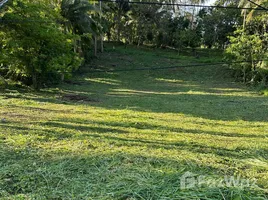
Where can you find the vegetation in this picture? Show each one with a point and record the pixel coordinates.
(44, 42)
(36, 48)
(134, 121)
(132, 135)
(251, 44)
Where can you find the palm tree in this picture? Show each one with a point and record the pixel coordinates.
(122, 8)
(78, 14)
(196, 2)
(248, 4)
(81, 22)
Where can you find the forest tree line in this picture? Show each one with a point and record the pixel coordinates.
(45, 41)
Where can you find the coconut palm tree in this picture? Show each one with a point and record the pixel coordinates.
(247, 4)
(80, 14)
(194, 9)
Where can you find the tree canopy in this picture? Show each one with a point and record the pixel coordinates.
(45, 41)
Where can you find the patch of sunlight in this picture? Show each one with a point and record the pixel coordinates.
(130, 92)
(191, 92)
(169, 80)
(256, 162)
(265, 92)
(107, 81)
(228, 89)
(177, 82)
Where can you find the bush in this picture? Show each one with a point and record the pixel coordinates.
(249, 51)
(34, 45)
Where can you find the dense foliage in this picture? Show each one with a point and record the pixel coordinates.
(218, 24)
(249, 47)
(41, 43)
(37, 47)
(176, 27)
(45, 41)
(242, 32)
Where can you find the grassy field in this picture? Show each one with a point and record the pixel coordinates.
(129, 135)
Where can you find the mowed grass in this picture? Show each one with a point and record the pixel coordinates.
(137, 132)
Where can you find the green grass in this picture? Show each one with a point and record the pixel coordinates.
(137, 133)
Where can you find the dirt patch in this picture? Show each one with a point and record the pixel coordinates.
(77, 98)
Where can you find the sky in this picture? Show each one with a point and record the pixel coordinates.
(211, 2)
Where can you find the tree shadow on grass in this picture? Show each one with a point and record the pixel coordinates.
(49, 130)
(168, 92)
(121, 166)
(216, 101)
(207, 92)
(55, 131)
(238, 153)
(208, 106)
(85, 127)
(115, 175)
(149, 126)
(128, 173)
(214, 107)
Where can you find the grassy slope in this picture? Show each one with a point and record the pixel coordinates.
(141, 132)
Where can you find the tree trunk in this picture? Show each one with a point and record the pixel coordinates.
(95, 46)
(34, 80)
(101, 36)
(244, 19)
(119, 25)
(244, 74)
(4, 81)
(62, 77)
